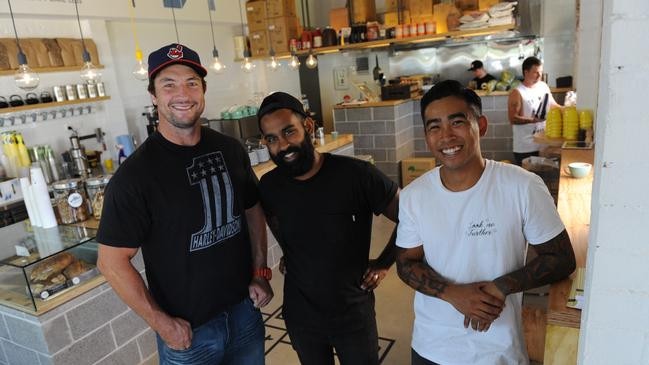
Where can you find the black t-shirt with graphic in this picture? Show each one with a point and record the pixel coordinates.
(482, 80)
(325, 226)
(185, 207)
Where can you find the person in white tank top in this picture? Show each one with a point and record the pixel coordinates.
(523, 109)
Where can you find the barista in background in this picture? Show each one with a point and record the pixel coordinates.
(319, 207)
(187, 197)
(523, 109)
(481, 75)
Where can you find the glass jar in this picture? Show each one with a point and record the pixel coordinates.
(70, 201)
(95, 187)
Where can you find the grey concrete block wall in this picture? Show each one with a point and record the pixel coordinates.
(497, 143)
(387, 133)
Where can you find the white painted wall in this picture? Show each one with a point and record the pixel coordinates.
(587, 59)
(558, 28)
(615, 321)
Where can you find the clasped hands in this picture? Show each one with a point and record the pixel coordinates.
(481, 303)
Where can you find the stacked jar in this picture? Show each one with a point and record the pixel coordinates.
(95, 187)
(71, 201)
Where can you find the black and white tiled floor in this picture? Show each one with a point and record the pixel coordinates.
(278, 343)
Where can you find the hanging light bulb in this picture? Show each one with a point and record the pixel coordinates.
(311, 61)
(25, 77)
(294, 63)
(217, 66)
(89, 73)
(273, 63)
(247, 66)
(141, 69)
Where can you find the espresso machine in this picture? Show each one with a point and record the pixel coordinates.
(151, 114)
(78, 158)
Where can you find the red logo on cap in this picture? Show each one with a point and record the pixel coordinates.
(175, 52)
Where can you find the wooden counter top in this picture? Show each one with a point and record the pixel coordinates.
(562, 335)
(574, 208)
(329, 145)
(373, 104)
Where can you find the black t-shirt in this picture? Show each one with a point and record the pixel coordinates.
(185, 207)
(480, 81)
(325, 226)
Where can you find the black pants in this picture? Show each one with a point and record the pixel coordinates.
(354, 348)
(416, 359)
(519, 157)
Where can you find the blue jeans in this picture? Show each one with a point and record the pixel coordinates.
(234, 337)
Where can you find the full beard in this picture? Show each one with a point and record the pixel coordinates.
(302, 164)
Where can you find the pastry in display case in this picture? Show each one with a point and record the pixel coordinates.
(41, 264)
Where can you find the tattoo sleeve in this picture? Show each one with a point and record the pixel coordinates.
(419, 276)
(555, 261)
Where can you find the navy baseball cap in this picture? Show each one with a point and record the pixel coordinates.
(280, 100)
(172, 54)
(475, 65)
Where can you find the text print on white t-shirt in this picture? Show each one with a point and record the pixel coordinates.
(482, 228)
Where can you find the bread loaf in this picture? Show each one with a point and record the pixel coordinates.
(53, 265)
(76, 268)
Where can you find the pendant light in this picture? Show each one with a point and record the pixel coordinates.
(294, 62)
(89, 73)
(24, 77)
(311, 61)
(216, 65)
(141, 69)
(247, 66)
(273, 64)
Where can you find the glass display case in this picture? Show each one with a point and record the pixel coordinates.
(41, 267)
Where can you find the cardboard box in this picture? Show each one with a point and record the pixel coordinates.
(363, 11)
(277, 8)
(339, 18)
(420, 7)
(391, 18)
(256, 15)
(281, 30)
(259, 45)
(412, 168)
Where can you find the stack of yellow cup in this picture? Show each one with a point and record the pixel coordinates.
(570, 123)
(554, 123)
(585, 119)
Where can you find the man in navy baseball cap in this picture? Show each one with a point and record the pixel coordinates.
(172, 54)
(187, 198)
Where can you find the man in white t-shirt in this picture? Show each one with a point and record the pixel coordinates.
(527, 107)
(462, 235)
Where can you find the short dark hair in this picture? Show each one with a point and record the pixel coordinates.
(454, 88)
(531, 62)
(151, 86)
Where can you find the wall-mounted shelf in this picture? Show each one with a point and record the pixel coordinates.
(457, 34)
(41, 70)
(54, 104)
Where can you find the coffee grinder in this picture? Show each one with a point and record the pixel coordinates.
(151, 114)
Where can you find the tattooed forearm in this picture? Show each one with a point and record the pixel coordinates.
(555, 261)
(418, 275)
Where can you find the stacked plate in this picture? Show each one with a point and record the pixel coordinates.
(554, 124)
(586, 119)
(570, 123)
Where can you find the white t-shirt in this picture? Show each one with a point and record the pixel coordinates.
(474, 235)
(532, 98)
